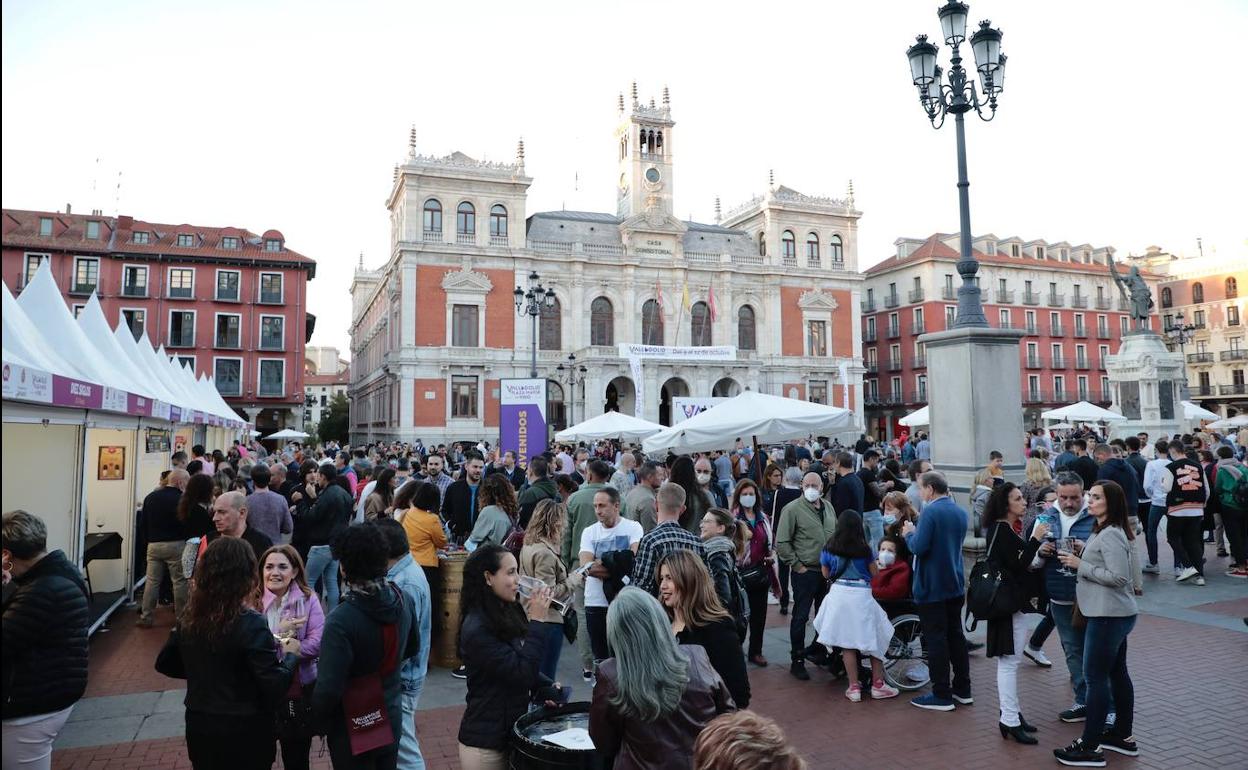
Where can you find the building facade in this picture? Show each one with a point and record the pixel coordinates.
(436, 327)
(230, 303)
(1206, 295)
(326, 375)
(1062, 296)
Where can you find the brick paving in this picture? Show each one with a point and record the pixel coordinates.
(1189, 677)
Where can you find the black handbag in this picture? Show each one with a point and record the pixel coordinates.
(294, 716)
(571, 624)
(990, 594)
(755, 577)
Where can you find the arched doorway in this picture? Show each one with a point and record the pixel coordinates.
(620, 396)
(726, 388)
(673, 388)
(556, 408)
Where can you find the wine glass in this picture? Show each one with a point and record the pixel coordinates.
(1065, 545)
(529, 584)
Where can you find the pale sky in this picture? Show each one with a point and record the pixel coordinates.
(1120, 124)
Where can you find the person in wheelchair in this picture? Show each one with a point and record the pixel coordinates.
(891, 586)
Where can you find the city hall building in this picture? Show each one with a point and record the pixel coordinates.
(771, 290)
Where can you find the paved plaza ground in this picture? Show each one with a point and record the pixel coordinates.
(1187, 656)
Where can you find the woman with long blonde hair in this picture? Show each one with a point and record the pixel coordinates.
(1037, 479)
(539, 558)
(698, 617)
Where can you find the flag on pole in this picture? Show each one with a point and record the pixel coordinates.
(684, 298)
(658, 292)
(710, 301)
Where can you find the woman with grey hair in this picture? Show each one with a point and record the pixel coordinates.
(653, 698)
(45, 641)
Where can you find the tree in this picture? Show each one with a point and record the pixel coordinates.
(335, 420)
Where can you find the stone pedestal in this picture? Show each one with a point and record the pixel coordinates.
(974, 402)
(1146, 380)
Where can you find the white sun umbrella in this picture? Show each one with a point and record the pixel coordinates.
(1238, 421)
(1193, 412)
(1082, 411)
(750, 416)
(916, 418)
(287, 433)
(615, 425)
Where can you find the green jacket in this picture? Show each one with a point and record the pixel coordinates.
(543, 489)
(580, 517)
(1224, 483)
(803, 532)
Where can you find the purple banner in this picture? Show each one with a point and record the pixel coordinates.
(71, 392)
(522, 418)
(140, 405)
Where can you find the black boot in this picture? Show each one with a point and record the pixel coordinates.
(1022, 722)
(1017, 733)
(798, 670)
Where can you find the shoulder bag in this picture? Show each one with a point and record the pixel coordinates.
(364, 702)
(988, 592)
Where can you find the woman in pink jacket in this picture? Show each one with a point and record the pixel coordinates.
(293, 610)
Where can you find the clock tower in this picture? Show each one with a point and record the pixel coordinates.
(644, 144)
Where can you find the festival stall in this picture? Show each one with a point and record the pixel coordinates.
(752, 416)
(1230, 423)
(612, 425)
(1081, 411)
(88, 419)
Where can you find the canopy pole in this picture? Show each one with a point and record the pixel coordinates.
(757, 463)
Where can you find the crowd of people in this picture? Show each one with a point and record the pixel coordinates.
(304, 582)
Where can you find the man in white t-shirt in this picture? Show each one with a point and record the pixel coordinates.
(612, 532)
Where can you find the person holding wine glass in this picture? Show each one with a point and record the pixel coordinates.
(539, 560)
(1109, 575)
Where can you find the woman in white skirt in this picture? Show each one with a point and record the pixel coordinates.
(849, 617)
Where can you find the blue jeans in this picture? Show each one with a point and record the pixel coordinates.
(323, 569)
(554, 645)
(1155, 512)
(1072, 645)
(410, 757)
(1105, 671)
(873, 527)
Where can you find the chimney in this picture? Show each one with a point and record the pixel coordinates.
(69, 209)
(125, 222)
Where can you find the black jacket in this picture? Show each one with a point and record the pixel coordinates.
(240, 676)
(1013, 555)
(45, 639)
(1118, 471)
(1087, 469)
(351, 646)
(515, 476)
(501, 677)
(160, 516)
(723, 648)
(457, 508)
(543, 489)
(330, 514)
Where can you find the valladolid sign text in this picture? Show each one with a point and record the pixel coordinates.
(636, 353)
(522, 417)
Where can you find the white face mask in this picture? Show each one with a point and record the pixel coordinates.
(704, 478)
(887, 558)
(747, 501)
(582, 465)
(811, 494)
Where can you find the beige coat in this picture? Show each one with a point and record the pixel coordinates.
(541, 561)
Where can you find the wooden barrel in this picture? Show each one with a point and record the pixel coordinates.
(445, 651)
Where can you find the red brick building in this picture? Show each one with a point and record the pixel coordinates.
(1062, 295)
(228, 301)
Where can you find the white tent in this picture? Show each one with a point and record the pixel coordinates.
(750, 415)
(1238, 421)
(288, 433)
(95, 326)
(1194, 412)
(1082, 412)
(43, 304)
(615, 425)
(24, 344)
(916, 418)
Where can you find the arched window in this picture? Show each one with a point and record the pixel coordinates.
(762, 245)
(788, 245)
(651, 323)
(1167, 298)
(498, 221)
(836, 251)
(1198, 292)
(601, 322)
(700, 325)
(745, 328)
(433, 216)
(549, 327)
(1232, 288)
(812, 247)
(465, 219)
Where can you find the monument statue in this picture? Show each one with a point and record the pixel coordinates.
(1134, 290)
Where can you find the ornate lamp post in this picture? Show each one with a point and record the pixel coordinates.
(1180, 333)
(573, 376)
(958, 96)
(531, 303)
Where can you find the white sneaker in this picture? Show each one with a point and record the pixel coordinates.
(1187, 573)
(1178, 571)
(1200, 581)
(1150, 569)
(1037, 656)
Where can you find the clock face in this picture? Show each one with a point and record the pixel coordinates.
(653, 175)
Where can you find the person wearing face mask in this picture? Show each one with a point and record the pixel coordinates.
(697, 500)
(581, 472)
(891, 585)
(754, 568)
(705, 475)
(805, 526)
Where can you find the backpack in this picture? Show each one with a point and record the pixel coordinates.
(514, 541)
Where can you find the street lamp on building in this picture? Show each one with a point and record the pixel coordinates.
(530, 303)
(1180, 332)
(573, 376)
(957, 94)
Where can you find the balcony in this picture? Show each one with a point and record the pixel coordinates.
(883, 399)
(1200, 358)
(892, 300)
(1233, 355)
(1203, 391)
(894, 364)
(870, 336)
(134, 290)
(1031, 298)
(1032, 331)
(498, 240)
(1083, 364)
(868, 306)
(1234, 389)
(1081, 332)
(1060, 396)
(1056, 300)
(1101, 365)
(915, 295)
(82, 288)
(918, 327)
(1033, 397)
(1123, 305)
(790, 260)
(894, 332)
(1079, 302)
(1057, 362)
(948, 293)
(872, 367)
(431, 236)
(466, 239)
(1103, 303)
(1103, 334)
(1034, 362)
(1056, 330)
(916, 397)
(1005, 296)
(919, 362)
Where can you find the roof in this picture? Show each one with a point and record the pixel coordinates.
(934, 248)
(21, 230)
(595, 228)
(341, 378)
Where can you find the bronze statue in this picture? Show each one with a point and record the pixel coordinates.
(1134, 290)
